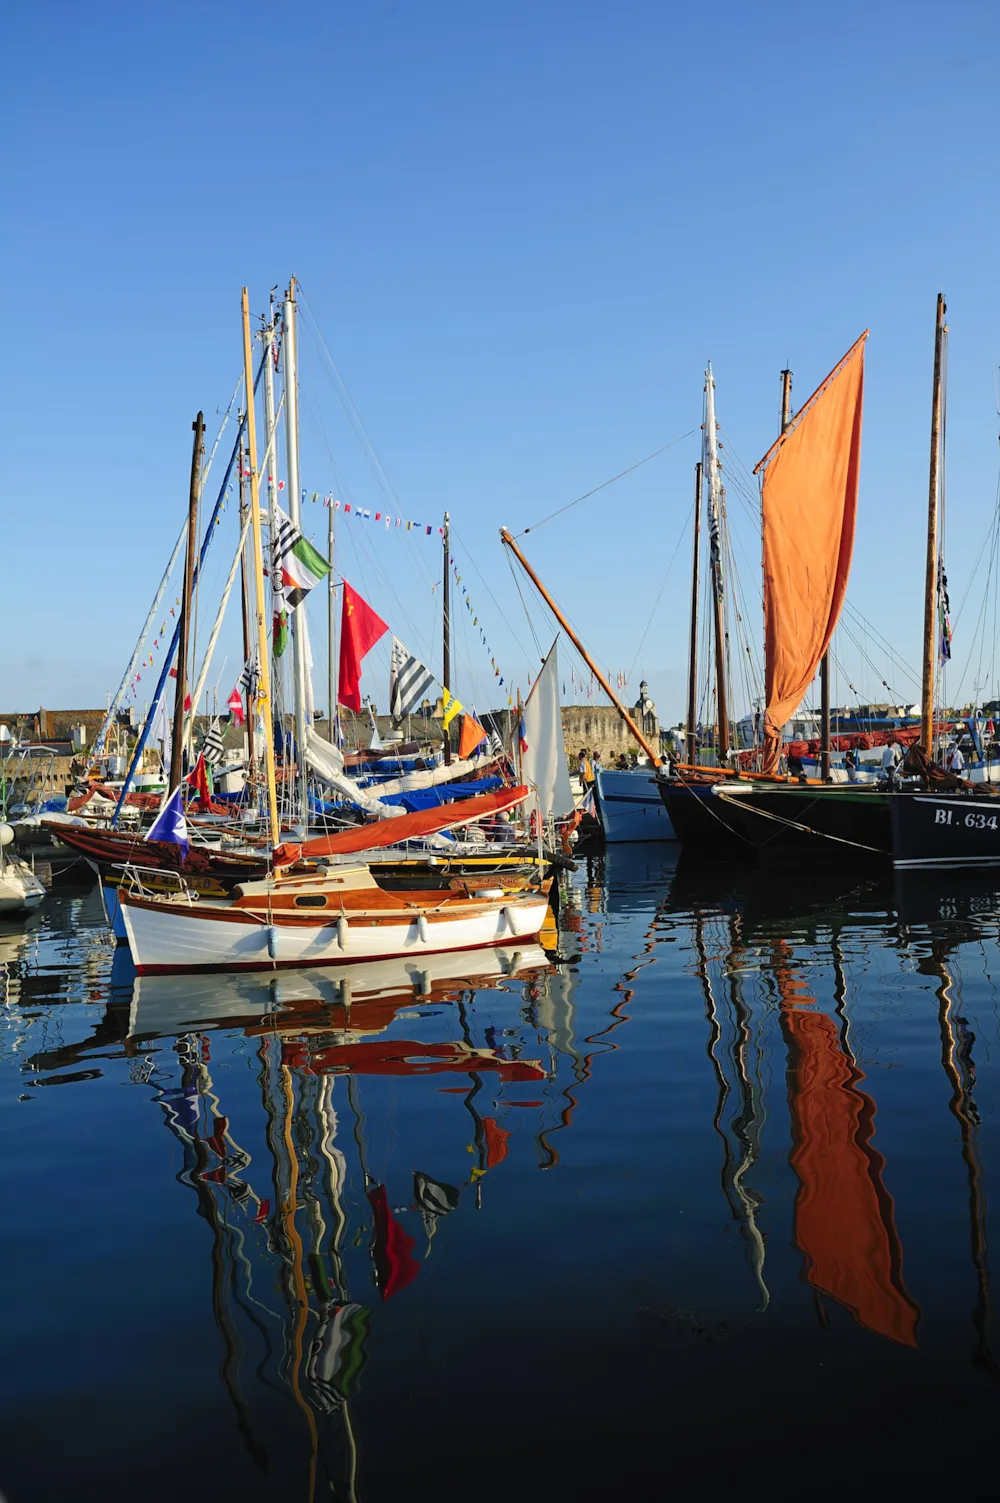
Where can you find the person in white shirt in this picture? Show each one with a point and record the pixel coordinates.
(892, 756)
(954, 760)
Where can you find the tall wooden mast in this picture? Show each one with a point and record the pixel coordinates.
(930, 576)
(245, 605)
(714, 478)
(692, 705)
(194, 494)
(446, 624)
(653, 756)
(264, 666)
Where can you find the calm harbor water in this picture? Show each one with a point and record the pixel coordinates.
(709, 1199)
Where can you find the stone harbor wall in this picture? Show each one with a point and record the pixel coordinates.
(598, 728)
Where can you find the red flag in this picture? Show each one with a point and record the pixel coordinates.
(187, 697)
(496, 1142)
(392, 1248)
(360, 629)
(198, 778)
(236, 708)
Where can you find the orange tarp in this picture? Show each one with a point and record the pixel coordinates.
(844, 1216)
(809, 502)
(384, 832)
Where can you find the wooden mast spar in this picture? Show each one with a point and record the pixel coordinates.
(264, 689)
(712, 475)
(692, 705)
(653, 756)
(930, 577)
(194, 495)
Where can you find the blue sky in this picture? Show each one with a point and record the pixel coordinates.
(521, 229)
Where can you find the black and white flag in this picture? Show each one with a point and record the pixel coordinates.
(496, 744)
(249, 680)
(212, 748)
(409, 681)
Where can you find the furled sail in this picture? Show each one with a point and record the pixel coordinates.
(809, 503)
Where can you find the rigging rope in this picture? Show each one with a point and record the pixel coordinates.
(605, 483)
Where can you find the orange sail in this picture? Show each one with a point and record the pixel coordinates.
(809, 502)
(844, 1216)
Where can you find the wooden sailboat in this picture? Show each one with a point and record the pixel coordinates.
(287, 919)
(809, 501)
(952, 824)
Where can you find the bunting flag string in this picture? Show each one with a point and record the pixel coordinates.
(150, 657)
(589, 688)
(363, 513)
(474, 618)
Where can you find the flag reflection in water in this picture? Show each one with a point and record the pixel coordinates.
(285, 1253)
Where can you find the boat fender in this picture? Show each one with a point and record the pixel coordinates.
(342, 932)
(423, 929)
(272, 941)
(506, 919)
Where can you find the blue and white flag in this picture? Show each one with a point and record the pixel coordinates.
(170, 824)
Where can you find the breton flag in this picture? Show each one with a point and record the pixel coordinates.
(170, 824)
(300, 565)
(212, 749)
(409, 681)
(496, 744)
(249, 680)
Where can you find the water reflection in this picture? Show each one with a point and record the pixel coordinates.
(776, 1060)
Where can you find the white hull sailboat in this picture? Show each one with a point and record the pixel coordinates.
(305, 921)
(340, 916)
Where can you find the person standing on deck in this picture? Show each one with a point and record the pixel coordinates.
(892, 757)
(954, 761)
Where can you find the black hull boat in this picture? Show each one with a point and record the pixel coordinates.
(726, 819)
(947, 829)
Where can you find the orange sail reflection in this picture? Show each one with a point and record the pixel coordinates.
(844, 1216)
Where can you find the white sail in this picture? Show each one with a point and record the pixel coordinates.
(543, 760)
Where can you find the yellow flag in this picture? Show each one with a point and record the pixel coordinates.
(452, 707)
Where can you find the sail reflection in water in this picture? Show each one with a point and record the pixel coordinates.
(844, 1216)
(391, 1200)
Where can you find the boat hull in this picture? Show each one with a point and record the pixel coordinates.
(181, 936)
(755, 819)
(20, 889)
(945, 830)
(630, 806)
